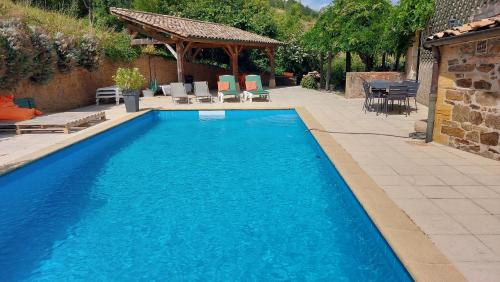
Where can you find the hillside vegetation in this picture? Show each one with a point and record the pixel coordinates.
(35, 35)
(35, 43)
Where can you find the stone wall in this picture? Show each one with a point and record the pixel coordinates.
(468, 103)
(354, 81)
(77, 88)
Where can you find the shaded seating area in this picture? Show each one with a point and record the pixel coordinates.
(381, 96)
(186, 39)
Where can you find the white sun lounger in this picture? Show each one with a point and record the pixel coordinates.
(202, 92)
(178, 92)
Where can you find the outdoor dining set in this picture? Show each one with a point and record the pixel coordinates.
(381, 95)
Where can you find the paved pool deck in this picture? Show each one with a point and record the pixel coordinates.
(451, 195)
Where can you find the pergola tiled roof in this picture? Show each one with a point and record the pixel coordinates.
(191, 37)
(490, 24)
(193, 29)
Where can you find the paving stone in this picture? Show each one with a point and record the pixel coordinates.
(491, 205)
(476, 192)
(457, 179)
(463, 248)
(480, 224)
(492, 242)
(434, 224)
(480, 271)
(439, 192)
(459, 207)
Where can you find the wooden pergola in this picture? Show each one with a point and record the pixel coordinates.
(190, 37)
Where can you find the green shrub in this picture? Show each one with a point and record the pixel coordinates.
(66, 52)
(15, 53)
(89, 53)
(129, 79)
(338, 69)
(308, 82)
(117, 48)
(43, 60)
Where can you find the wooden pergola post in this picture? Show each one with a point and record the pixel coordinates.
(272, 76)
(233, 52)
(179, 49)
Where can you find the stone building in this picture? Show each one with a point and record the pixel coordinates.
(464, 104)
(448, 13)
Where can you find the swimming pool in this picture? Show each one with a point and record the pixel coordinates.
(190, 195)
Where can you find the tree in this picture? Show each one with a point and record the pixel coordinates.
(408, 17)
(359, 23)
(102, 17)
(322, 39)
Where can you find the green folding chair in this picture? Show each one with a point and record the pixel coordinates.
(232, 88)
(259, 92)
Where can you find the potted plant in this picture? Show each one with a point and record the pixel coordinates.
(130, 81)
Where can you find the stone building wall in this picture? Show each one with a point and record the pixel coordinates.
(464, 11)
(77, 88)
(468, 102)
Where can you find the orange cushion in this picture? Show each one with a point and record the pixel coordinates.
(223, 85)
(10, 111)
(7, 101)
(18, 114)
(251, 85)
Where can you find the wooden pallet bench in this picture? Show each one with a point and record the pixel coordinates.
(60, 122)
(6, 125)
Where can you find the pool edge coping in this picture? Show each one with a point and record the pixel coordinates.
(414, 249)
(421, 258)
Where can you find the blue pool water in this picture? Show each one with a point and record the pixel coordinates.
(190, 196)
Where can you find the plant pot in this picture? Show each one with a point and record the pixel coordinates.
(131, 98)
(148, 93)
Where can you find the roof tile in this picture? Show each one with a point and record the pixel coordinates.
(469, 27)
(193, 29)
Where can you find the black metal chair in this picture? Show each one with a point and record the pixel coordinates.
(370, 96)
(413, 86)
(399, 93)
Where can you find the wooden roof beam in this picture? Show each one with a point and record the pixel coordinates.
(145, 41)
(172, 51)
(152, 34)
